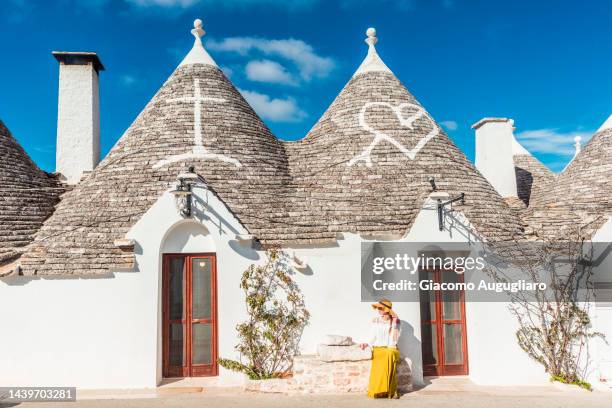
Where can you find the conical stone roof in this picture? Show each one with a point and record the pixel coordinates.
(197, 118)
(581, 196)
(283, 192)
(531, 174)
(27, 197)
(365, 166)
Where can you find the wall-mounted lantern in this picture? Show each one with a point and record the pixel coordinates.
(183, 191)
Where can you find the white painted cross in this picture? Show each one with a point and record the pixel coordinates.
(199, 151)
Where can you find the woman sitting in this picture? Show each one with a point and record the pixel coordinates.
(384, 335)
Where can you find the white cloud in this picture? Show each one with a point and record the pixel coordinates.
(227, 71)
(308, 63)
(127, 80)
(449, 124)
(551, 141)
(19, 7)
(274, 109)
(268, 71)
(183, 4)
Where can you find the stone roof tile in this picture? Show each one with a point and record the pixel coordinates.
(580, 196)
(28, 196)
(531, 176)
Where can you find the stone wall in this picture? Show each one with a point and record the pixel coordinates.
(313, 376)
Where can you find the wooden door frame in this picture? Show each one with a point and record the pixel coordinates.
(189, 370)
(441, 369)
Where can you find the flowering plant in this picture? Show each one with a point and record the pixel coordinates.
(269, 339)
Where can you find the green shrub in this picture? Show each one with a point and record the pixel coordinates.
(579, 383)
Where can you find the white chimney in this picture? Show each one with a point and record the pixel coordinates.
(78, 114)
(494, 153)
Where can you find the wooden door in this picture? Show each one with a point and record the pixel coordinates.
(189, 315)
(443, 332)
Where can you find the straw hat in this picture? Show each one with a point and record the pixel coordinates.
(386, 305)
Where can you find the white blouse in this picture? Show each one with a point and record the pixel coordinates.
(384, 333)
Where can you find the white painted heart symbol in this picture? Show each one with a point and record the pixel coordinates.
(366, 154)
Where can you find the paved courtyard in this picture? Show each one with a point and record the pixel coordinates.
(352, 401)
(445, 393)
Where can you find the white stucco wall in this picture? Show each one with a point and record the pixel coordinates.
(601, 313)
(106, 332)
(604, 234)
(494, 354)
(602, 351)
(78, 121)
(89, 333)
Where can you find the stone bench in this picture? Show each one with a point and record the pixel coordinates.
(313, 376)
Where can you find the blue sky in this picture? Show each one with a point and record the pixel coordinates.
(546, 64)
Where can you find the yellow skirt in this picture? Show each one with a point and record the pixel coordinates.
(383, 375)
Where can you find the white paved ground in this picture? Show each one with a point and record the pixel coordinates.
(473, 398)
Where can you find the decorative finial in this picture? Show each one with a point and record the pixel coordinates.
(198, 54)
(198, 32)
(372, 61)
(371, 33)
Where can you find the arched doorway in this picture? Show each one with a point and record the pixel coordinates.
(189, 302)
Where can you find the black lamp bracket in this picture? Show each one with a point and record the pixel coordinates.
(442, 204)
